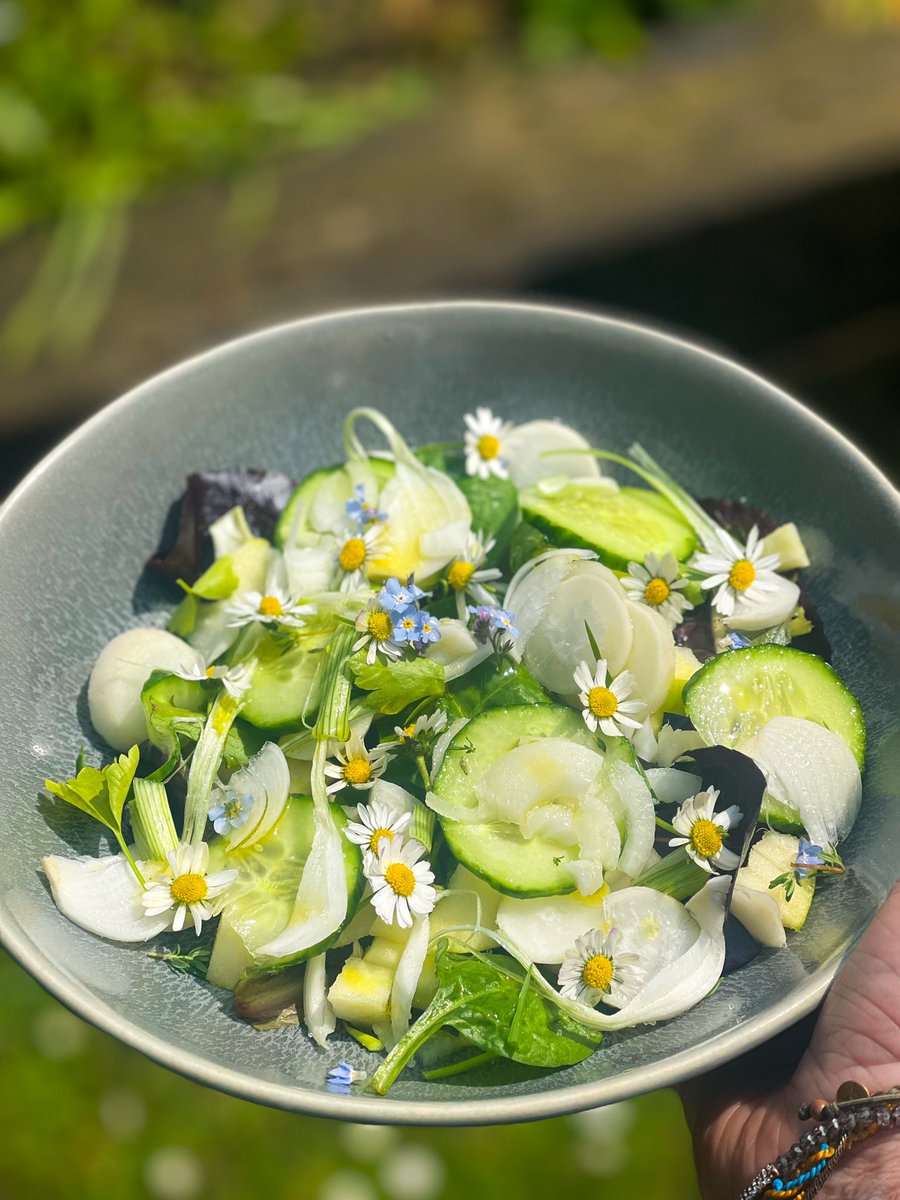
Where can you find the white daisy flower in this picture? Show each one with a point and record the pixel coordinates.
(703, 831)
(354, 550)
(185, 886)
(597, 969)
(275, 608)
(484, 444)
(423, 729)
(376, 624)
(356, 766)
(235, 680)
(605, 702)
(401, 884)
(467, 574)
(656, 583)
(377, 822)
(741, 574)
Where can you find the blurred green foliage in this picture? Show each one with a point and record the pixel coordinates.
(84, 1118)
(102, 101)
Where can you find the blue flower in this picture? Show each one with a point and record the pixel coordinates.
(407, 625)
(396, 597)
(808, 856)
(429, 629)
(231, 812)
(503, 621)
(738, 642)
(342, 1076)
(357, 509)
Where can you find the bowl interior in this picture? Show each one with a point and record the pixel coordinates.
(74, 537)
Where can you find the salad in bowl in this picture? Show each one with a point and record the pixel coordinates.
(484, 749)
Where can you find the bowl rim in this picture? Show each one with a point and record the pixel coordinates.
(465, 1110)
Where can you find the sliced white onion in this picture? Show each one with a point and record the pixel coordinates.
(773, 609)
(406, 977)
(545, 928)
(560, 641)
(533, 586)
(321, 904)
(529, 449)
(651, 659)
(310, 569)
(121, 670)
(428, 517)
(631, 804)
(397, 798)
(811, 770)
(457, 651)
(759, 915)
(317, 1011)
(267, 779)
(103, 895)
(229, 532)
(671, 786)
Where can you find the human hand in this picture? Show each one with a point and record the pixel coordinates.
(745, 1115)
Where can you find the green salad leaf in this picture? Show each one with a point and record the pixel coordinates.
(216, 583)
(487, 687)
(101, 793)
(393, 686)
(488, 998)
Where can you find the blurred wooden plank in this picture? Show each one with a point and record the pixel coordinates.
(500, 176)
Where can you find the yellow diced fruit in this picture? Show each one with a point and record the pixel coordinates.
(786, 542)
(687, 664)
(773, 855)
(361, 994)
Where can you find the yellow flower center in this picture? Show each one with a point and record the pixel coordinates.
(399, 877)
(376, 837)
(270, 606)
(188, 889)
(210, 672)
(602, 702)
(357, 771)
(742, 575)
(657, 592)
(409, 730)
(488, 446)
(597, 972)
(460, 574)
(378, 624)
(706, 838)
(353, 554)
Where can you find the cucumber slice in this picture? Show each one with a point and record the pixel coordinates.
(735, 694)
(319, 502)
(261, 900)
(496, 851)
(285, 684)
(622, 526)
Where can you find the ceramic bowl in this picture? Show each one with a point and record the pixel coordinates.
(74, 537)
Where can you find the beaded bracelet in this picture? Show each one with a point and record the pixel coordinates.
(853, 1116)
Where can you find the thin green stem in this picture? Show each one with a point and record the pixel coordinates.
(129, 856)
(459, 1068)
(423, 771)
(666, 826)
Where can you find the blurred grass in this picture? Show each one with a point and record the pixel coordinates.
(84, 1118)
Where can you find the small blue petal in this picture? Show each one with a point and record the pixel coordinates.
(221, 824)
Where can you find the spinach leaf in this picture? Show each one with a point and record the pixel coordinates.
(495, 510)
(489, 999)
(392, 686)
(485, 687)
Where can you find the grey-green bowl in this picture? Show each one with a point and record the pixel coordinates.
(74, 536)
